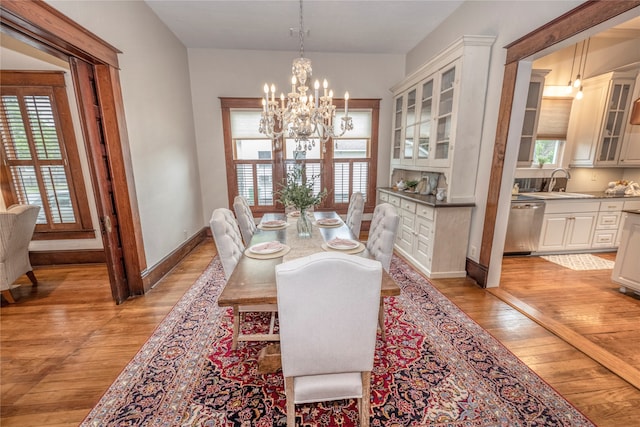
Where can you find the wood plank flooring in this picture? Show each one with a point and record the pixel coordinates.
(65, 342)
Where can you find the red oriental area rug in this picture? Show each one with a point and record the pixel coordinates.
(436, 368)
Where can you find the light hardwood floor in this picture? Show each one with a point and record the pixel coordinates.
(63, 344)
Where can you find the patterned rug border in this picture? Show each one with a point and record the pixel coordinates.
(196, 314)
(580, 262)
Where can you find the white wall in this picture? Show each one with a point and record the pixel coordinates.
(156, 90)
(235, 73)
(508, 21)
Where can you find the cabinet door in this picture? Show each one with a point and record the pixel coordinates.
(531, 115)
(423, 249)
(406, 236)
(552, 235)
(423, 149)
(444, 117)
(585, 123)
(580, 232)
(397, 130)
(630, 152)
(614, 123)
(410, 129)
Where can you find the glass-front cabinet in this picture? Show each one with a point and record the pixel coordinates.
(433, 130)
(424, 126)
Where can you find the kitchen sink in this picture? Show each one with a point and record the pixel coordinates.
(559, 195)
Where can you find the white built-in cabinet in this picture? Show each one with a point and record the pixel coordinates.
(626, 270)
(434, 239)
(437, 117)
(582, 225)
(598, 126)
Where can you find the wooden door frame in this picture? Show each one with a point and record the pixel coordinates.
(43, 27)
(582, 18)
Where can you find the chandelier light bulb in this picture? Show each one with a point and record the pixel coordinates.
(579, 95)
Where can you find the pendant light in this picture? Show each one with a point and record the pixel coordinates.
(573, 63)
(578, 82)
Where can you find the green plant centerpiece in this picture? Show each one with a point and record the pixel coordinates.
(297, 191)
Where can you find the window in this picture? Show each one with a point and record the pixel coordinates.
(40, 161)
(255, 169)
(551, 133)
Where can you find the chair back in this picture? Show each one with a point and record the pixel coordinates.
(245, 218)
(16, 230)
(328, 308)
(354, 213)
(228, 239)
(382, 233)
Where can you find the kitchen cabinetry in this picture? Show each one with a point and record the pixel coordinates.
(607, 224)
(568, 225)
(630, 151)
(629, 205)
(626, 270)
(433, 239)
(531, 116)
(599, 121)
(428, 134)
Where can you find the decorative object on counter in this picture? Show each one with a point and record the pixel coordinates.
(441, 194)
(298, 191)
(400, 185)
(433, 183)
(516, 189)
(411, 185)
(623, 187)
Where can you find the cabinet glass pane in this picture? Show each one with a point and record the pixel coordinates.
(448, 79)
(423, 142)
(524, 155)
(529, 123)
(411, 107)
(408, 142)
(396, 143)
(398, 121)
(624, 95)
(614, 103)
(442, 142)
(532, 97)
(446, 102)
(427, 94)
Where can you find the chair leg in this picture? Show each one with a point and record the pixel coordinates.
(8, 296)
(291, 406)
(236, 327)
(32, 277)
(381, 321)
(365, 405)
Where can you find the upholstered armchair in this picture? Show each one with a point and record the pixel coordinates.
(16, 229)
(354, 213)
(226, 235)
(245, 218)
(328, 304)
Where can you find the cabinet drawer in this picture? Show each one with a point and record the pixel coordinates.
(408, 206)
(604, 238)
(611, 206)
(394, 200)
(608, 220)
(384, 197)
(570, 207)
(426, 211)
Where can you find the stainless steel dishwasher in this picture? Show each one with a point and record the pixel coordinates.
(523, 229)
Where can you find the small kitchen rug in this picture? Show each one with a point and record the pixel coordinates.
(580, 261)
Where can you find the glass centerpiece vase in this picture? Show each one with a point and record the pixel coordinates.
(298, 191)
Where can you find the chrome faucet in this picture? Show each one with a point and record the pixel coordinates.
(552, 183)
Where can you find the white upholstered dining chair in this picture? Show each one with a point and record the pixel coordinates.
(382, 236)
(328, 304)
(16, 229)
(245, 218)
(354, 213)
(226, 235)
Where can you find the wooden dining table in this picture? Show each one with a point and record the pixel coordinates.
(253, 281)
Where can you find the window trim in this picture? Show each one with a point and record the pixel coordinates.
(54, 80)
(327, 160)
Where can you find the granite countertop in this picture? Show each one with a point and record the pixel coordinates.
(587, 196)
(425, 199)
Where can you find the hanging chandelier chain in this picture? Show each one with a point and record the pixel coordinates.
(301, 32)
(573, 63)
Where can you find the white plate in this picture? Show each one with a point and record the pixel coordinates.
(329, 221)
(294, 214)
(342, 244)
(273, 224)
(266, 248)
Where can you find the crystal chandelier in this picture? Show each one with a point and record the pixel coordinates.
(303, 116)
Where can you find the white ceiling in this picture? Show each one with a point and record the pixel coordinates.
(349, 26)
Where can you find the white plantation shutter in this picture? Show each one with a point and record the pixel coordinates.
(34, 153)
